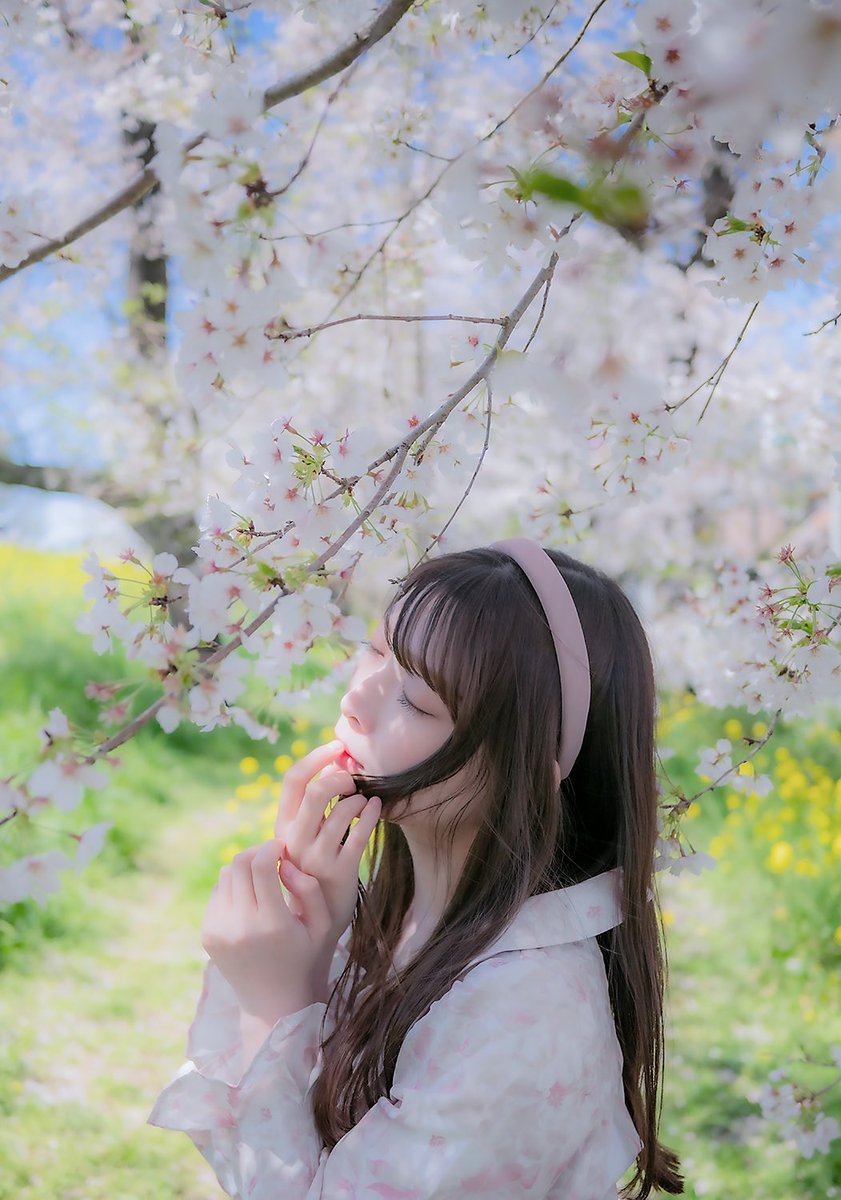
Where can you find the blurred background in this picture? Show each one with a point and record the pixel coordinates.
(105, 443)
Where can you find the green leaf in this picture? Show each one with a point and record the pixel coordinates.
(735, 225)
(622, 205)
(557, 188)
(636, 58)
(523, 190)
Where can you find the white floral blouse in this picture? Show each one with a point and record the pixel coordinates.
(509, 1086)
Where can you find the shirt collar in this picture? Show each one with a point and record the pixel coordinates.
(568, 914)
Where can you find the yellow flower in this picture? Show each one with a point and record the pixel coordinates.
(718, 844)
(805, 866)
(734, 800)
(733, 729)
(668, 917)
(787, 813)
(733, 820)
(327, 733)
(746, 768)
(245, 791)
(837, 935)
(692, 811)
(299, 748)
(836, 845)
(249, 765)
(759, 729)
(263, 781)
(229, 851)
(780, 912)
(231, 806)
(780, 857)
(282, 763)
(301, 724)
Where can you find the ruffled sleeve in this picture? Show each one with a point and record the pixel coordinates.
(227, 1113)
(509, 1086)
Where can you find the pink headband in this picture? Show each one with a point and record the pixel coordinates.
(568, 636)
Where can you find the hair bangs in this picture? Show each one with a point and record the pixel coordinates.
(425, 638)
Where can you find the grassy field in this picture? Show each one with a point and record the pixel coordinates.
(97, 990)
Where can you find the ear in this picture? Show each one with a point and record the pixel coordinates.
(556, 767)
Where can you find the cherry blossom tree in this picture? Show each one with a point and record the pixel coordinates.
(407, 273)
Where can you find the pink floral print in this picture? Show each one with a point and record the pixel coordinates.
(509, 1086)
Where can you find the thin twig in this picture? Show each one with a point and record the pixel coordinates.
(829, 321)
(304, 163)
(437, 537)
(534, 32)
(134, 192)
(421, 150)
(716, 377)
(288, 335)
(558, 63)
(302, 233)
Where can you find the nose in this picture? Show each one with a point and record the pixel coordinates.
(357, 704)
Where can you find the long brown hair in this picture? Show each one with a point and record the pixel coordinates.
(495, 668)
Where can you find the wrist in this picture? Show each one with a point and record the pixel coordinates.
(269, 1010)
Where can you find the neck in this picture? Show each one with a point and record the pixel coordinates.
(435, 879)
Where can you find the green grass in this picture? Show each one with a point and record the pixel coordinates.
(97, 990)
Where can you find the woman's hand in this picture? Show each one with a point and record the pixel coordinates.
(314, 841)
(265, 950)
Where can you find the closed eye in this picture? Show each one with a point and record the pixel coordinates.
(402, 698)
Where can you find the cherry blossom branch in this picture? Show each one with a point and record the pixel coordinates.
(341, 58)
(716, 377)
(457, 158)
(684, 802)
(437, 537)
(288, 335)
(134, 192)
(398, 453)
(124, 199)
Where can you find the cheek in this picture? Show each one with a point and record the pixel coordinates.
(408, 740)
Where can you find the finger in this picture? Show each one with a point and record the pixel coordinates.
(296, 778)
(358, 837)
(264, 876)
(242, 884)
(311, 814)
(338, 821)
(307, 891)
(224, 884)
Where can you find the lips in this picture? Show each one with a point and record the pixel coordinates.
(348, 763)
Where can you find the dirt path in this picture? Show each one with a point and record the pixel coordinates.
(99, 1031)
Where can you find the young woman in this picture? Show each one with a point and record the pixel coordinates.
(485, 1017)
